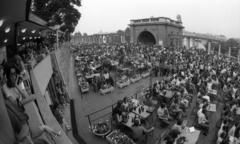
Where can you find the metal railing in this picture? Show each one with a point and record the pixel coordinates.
(112, 106)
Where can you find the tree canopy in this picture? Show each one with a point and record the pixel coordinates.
(127, 30)
(78, 33)
(85, 34)
(120, 32)
(62, 12)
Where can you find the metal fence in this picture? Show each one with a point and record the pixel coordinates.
(137, 95)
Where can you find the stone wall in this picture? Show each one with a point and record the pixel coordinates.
(62, 57)
(45, 114)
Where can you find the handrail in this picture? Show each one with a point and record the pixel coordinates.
(100, 110)
(88, 116)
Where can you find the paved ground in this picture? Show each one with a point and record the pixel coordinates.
(93, 102)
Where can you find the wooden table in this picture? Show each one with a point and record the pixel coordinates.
(133, 80)
(211, 107)
(191, 137)
(104, 91)
(121, 85)
(143, 114)
(144, 75)
(151, 109)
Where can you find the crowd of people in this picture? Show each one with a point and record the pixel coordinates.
(15, 97)
(13, 72)
(188, 73)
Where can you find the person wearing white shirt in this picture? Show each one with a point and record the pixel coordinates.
(232, 130)
(223, 129)
(213, 72)
(221, 138)
(203, 122)
(234, 90)
(106, 76)
(206, 97)
(234, 74)
(163, 115)
(201, 107)
(14, 89)
(178, 81)
(173, 82)
(126, 102)
(209, 85)
(228, 79)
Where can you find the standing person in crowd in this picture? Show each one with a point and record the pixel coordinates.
(19, 65)
(203, 122)
(64, 92)
(60, 94)
(14, 88)
(59, 115)
(19, 120)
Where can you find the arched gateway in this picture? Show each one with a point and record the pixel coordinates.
(161, 31)
(146, 37)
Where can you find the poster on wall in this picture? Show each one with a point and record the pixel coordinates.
(160, 42)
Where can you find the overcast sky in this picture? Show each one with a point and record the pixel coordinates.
(202, 16)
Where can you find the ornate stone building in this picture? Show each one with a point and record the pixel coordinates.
(161, 30)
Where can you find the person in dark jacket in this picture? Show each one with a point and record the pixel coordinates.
(59, 116)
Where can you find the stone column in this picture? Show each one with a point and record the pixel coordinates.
(193, 42)
(209, 47)
(178, 43)
(188, 43)
(219, 50)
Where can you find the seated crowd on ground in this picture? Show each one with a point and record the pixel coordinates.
(185, 75)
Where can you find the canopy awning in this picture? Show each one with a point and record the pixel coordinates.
(32, 31)
(29, 30)
(12, 11)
